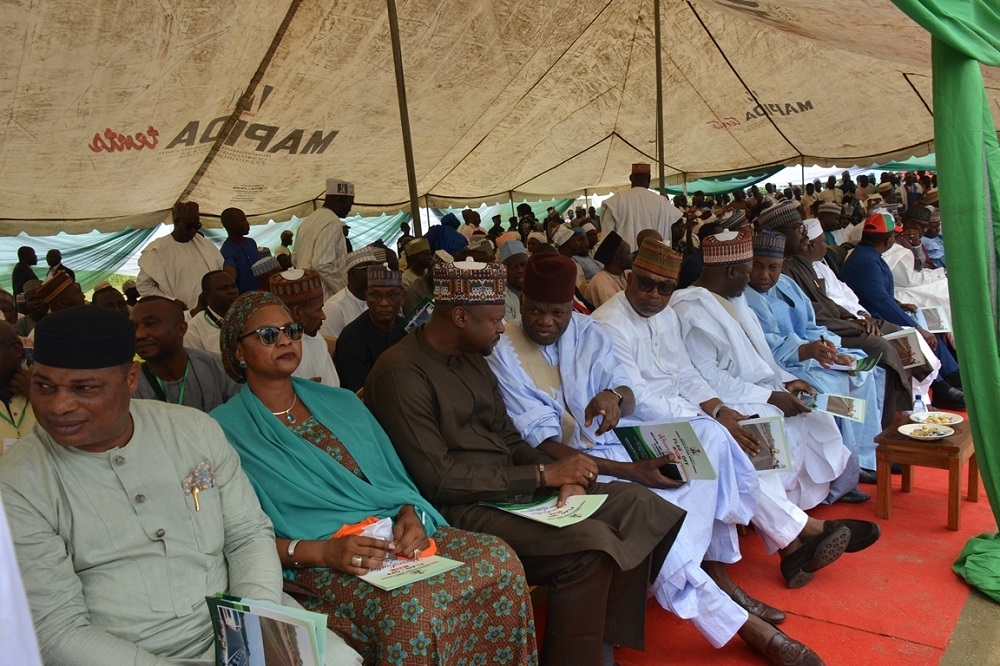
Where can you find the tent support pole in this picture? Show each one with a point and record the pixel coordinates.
(659, 97)
(802, 163)
(510, 195)
(404, 117)
(684, 185)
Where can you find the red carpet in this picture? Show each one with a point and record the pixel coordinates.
(894, 603)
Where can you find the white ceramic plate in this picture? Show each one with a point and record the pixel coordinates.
(937, 418)
(934, 431)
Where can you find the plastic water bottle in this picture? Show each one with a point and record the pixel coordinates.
(918, 405)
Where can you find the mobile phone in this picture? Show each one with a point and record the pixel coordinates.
(27, 357)
(673, 471)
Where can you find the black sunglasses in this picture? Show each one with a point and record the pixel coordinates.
(664, 288)
(269, 334)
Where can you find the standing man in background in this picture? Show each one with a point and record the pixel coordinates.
(322, 242)
(239, 251)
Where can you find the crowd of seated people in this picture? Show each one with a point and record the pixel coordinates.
(235, 423)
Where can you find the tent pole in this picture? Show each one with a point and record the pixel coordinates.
(404, 116)
(659, 97)
(802, 163)
(684, 185)
(510, 195)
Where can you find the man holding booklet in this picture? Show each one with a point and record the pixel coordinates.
(812, 353)
(565, 391)
(647, 342)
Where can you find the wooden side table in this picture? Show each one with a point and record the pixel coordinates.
(949, 453)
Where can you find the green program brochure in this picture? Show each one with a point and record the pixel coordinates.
(577, 508)
(397, 573)
(860, 364)
(258, 632)
(677, 438)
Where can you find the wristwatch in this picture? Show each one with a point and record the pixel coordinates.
(621, 398)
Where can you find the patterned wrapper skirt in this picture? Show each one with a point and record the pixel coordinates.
(478, 614)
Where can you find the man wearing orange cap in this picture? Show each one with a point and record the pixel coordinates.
(638, 208)
(172, 266)
(866, 272)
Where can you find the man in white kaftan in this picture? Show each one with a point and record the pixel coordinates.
(320, 244)
(638, 208)
(173, 266)
(646, 338)
(924, 288)
(727, 346)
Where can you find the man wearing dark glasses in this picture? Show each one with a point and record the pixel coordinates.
(172, 266)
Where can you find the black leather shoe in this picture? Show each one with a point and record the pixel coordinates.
(815, 553)
(757, 607)
(867, 476)
(955, 379)
(950, 397)
(854, 497)
(782, 650)
(863, 533)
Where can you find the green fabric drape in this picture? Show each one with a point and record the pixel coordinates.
(725, 184)
(965, 34)
(92, 256)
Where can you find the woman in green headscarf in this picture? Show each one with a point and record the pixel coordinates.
(320, 462)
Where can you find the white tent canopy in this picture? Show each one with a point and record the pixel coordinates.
(118, 109)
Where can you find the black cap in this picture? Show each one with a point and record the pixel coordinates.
(84, 337)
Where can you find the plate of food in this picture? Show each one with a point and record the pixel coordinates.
(926, 431)
(936, 418)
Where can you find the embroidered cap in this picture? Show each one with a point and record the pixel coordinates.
(264, 266)
(658, 258)
(416, 246)
(296, 286)
(831, 208)
(380, 275)
(54, 285)
(728, 248)
(511, 248)
(366, 255)
(470, 283)
(769, 244)
(779, 215)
